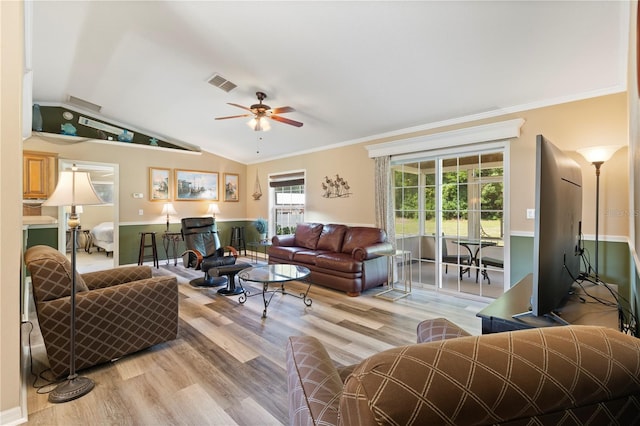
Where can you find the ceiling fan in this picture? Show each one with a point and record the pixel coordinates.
(260, 112)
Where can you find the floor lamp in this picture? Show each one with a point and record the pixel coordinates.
(73, 189)
(597, 155)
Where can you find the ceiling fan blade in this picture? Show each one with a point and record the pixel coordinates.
(282, 110)
(239, 106)
(234, 116)
(286, 120)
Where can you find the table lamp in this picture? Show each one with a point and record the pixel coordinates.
(74, 189)
(213, 210)
(168, 210)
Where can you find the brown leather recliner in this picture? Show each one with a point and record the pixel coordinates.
(118, 311)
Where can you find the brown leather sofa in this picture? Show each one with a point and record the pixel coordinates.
(554, 375)
(118, 311)
(346, 258)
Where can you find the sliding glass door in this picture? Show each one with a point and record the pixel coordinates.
(450, 214)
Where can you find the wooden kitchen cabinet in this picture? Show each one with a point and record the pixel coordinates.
(38, 174)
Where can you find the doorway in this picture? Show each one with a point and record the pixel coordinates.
(101, 220)
(450, 213)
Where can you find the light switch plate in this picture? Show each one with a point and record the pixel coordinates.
(531, 213)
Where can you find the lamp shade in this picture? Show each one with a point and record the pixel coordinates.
(168, 209)
(598, 154)
(213, 209)
(73, 189)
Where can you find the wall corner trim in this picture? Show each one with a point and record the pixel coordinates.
(469, 135)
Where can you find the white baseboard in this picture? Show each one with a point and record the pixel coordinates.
(13, 416)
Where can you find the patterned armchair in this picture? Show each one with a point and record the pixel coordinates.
(118, 311)
(552, 375)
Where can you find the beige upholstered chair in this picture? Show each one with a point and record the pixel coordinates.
(118, 311)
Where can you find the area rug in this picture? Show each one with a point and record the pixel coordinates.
(185, 275)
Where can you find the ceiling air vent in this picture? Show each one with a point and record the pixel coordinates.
(84, 104)
(222, 83)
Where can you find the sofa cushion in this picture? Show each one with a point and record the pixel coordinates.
(307, 257)
(332, 237)
(361, 236)
(284, 252)
(340, 262)
(307, 235)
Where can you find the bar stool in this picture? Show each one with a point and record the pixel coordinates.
(144, 245)
(237, 239)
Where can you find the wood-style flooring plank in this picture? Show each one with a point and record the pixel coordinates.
(227, 366)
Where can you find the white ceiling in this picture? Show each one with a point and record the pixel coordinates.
(352, 70)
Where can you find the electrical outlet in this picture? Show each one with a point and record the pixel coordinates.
(531, 213)
(140, 212)
(137, 195)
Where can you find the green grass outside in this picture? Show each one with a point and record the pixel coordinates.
(449, 227)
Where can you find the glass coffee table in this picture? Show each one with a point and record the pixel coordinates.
(274, 275)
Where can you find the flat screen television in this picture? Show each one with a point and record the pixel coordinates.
(557, 238)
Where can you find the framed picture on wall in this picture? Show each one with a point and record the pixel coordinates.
(104, 191)
(194, 185)
(231, 188)
(159, 184)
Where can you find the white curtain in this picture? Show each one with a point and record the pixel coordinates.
(384, 200)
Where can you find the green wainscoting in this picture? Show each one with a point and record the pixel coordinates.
(613, 259)
(521, 258)
(130, 241)
(42, 236)
(130, 238)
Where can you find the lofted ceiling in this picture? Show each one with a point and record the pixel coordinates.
(352, 70)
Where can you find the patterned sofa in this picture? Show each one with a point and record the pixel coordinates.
(555, 375)
(118, 311)
(345, 258)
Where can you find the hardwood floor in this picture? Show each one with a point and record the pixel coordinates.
(227, 366)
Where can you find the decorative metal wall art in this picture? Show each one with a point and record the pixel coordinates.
(257, 189)
(335, 188)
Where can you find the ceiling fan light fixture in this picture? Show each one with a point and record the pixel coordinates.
(264, 124)
(261, 114)
(259, 124)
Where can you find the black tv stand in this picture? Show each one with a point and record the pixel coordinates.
(512, 310)
(551, 315)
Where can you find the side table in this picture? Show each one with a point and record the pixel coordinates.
(257, 247)
(394, 292)
(88, 240)
(170, 240)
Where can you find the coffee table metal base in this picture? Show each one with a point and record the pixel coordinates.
(277, 276)
(265, 291)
